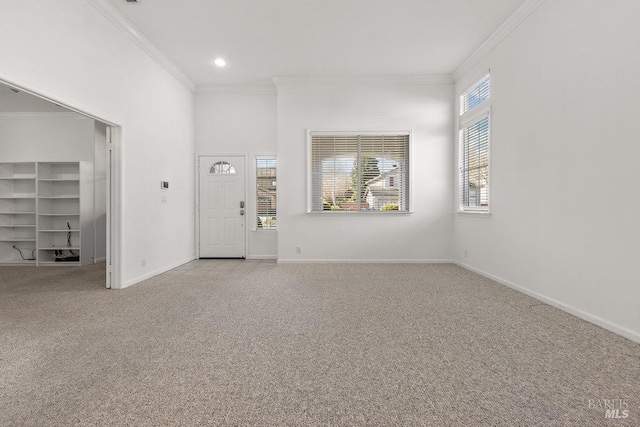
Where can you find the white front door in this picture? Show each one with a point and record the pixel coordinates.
(222, 207)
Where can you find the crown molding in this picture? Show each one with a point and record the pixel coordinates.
(371, 80)
(510, 24)
(236, 90)
(110, 12)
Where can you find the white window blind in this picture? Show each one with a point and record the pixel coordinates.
(474, 176)
(266, 194)
(475, 96)
(359, 172)
(475, 123)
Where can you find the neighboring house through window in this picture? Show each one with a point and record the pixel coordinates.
(266, 195)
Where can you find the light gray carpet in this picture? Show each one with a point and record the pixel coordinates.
(255, 343)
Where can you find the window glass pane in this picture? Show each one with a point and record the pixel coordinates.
(474, 171)
(266, 195)
(360, 172)
(222, 167)
(475, 96)
(474, 147)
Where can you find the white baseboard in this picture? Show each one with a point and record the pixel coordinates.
(158, 271)
(262, 256)
(605, 324)
(99, 260)
(364, 261)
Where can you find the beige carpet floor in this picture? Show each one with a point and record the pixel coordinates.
(257, 343)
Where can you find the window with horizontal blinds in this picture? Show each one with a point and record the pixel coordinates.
(475, 123)
(266, 195)
(366, 172)
(476, 95)
(474, 170)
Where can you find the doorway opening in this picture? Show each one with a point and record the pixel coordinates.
(59, 186)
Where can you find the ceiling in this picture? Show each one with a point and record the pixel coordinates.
(263, 38)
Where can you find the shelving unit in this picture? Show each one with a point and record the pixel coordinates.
(18, 213)
(46, 213)
(65, 204)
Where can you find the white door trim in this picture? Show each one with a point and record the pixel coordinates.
(197, 198)
(114, 183)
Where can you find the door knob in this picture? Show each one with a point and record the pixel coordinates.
(242, 212)
(241, 205)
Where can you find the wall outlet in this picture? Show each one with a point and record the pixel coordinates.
(144, 262)
(298, 250)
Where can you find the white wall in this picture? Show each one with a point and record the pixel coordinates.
(12, 102)
(422, 235)
(564, 221)
(71, 52)
(241, 123)
(46, 137)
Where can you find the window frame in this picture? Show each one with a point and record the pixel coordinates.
(255, 187)
(465, 121)
(409, 193)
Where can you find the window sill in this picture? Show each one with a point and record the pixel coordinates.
(360, 212)
(474, 213)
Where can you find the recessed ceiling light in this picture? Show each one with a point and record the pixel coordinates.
(219, 62)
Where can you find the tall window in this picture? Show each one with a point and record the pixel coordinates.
(366, 172)
(266, 197)
(475, 123)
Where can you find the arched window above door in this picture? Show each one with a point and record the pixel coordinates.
(222, 167)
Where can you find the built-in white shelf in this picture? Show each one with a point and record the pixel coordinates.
(17, 178)
(18, 170)
(58, 197)
(59, 171)
(18, 205)
(16, 213)
(28, 196)
(58, 264)
(46, 211)
(60, 248)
